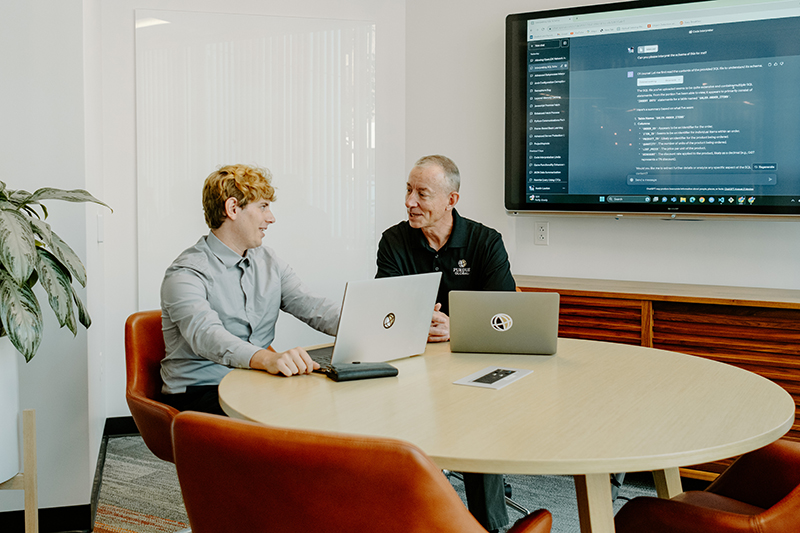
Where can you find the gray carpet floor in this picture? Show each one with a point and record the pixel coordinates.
(133, 478)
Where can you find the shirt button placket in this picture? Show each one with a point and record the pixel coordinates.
(248, 287)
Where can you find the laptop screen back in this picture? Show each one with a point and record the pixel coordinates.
(504, 322)
(386, 318)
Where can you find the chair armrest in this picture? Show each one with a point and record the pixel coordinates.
(537, 522)
(154, 421)
(656, 515)
(763, 477)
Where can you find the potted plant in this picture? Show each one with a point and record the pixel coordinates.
(30, 253)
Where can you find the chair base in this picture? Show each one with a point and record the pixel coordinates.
(511, 503)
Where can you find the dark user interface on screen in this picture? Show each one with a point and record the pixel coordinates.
(704, 117)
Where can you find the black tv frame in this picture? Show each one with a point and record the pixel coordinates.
(754, 203)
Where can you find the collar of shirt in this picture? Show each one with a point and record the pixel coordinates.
(457, 239)
(226, 256)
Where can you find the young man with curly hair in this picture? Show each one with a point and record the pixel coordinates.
(220, 298)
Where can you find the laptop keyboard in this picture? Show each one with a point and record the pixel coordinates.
(323, 357)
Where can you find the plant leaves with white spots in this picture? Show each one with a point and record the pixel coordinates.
(68, 258)
(49, 193)
(21, 316)
(57, 283)
(83, 314)
(17, 245)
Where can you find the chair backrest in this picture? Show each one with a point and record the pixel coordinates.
(762, 477)
(768, 478)
(144, 350)
(243, 476)
(759, 492)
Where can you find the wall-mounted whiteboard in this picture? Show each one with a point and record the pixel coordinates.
(295, 95)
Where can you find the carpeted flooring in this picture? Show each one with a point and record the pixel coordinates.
(140, 493)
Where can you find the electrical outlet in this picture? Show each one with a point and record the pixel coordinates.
(542, 233)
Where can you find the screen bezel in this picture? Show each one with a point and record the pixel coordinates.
(515, 125)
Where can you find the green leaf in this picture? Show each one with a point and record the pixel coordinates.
(68, 258)
(31, 212)
(74, 195)
(21, 316)
(57, 283)
(18, 197)
(83, 314)
(42, 229)
(17, 245)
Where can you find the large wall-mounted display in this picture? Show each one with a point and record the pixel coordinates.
(655, 107)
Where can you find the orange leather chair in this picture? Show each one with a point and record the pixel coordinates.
(758, 493)
(243, 476)
(144, 350)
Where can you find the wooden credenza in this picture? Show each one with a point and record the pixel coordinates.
(755, 329)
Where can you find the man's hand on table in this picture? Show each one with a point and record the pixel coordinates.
(440, 326)
(288, 363)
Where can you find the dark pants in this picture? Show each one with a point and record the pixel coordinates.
(486, 499)
(203, 398)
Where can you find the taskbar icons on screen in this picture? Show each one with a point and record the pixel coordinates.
(677, 199)
(710, 200)
(673, 199)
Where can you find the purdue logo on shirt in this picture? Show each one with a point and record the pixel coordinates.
(462, 269)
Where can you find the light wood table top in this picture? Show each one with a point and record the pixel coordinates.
(592, 409)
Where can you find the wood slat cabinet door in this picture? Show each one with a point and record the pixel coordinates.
(763, 341)
(763, 338)
(600, 318)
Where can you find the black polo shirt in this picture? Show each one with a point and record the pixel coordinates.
(472, 259)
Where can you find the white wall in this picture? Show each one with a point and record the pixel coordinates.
(44, 142)
(121, 291)
(455, 106)
(68, 103)
(95, 223)
(298, 96)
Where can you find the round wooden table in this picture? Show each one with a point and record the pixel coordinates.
(592, 409)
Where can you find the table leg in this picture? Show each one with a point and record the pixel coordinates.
(595, 508)
(668, 482)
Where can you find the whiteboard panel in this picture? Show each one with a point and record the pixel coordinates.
(295, 95)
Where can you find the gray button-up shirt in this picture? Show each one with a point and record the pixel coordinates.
(219, 308)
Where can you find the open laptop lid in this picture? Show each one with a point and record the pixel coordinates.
(385, 318)
(504, 322)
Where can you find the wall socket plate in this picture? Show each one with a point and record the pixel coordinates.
(541, 233)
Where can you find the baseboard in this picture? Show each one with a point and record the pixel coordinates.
(75, 518)
(71, 519)
(120, 426)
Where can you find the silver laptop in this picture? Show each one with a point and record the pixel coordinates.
(382, 319)
(504, 322)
